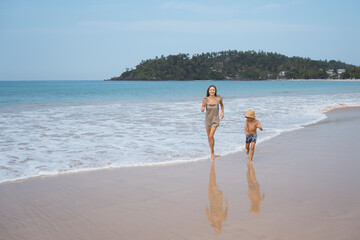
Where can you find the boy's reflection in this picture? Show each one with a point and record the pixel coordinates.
(217, 214)
(254, 190)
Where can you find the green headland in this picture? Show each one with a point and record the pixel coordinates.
(238, 65)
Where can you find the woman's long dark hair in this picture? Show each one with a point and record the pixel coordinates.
(207, 92)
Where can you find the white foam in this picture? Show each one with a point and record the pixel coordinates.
(55, 139)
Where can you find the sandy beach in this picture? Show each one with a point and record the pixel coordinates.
(303, 185)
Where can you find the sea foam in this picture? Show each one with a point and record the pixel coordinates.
(48, 139)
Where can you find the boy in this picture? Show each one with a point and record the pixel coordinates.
(250, 130)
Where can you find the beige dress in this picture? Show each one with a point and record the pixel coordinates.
(212, 113)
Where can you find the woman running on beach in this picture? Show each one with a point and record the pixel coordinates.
(211, 103)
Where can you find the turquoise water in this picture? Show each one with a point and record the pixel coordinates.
(25, 92)
(54, 127)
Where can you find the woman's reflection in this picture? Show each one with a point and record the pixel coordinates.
(254, 190)
(216, 214)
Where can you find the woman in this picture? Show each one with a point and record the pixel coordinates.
(211, 103)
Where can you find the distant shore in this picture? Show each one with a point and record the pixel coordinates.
(237, 65)
(240, 80)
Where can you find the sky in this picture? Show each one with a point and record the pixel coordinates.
(99, 39)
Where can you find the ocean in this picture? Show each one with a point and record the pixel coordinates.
(55, 127)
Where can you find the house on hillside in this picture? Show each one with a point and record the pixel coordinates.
(282, 74)
(330, 72)
(340, 71)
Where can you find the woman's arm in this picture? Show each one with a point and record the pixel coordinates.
(203, 105)
(222, 109)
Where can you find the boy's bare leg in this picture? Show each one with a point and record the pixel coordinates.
(247, 146)
(252, 146)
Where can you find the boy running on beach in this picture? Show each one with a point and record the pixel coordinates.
(250, 130)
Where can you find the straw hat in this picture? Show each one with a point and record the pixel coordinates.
(250, 114)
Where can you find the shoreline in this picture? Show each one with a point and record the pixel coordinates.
(303, 189)
(323, 111)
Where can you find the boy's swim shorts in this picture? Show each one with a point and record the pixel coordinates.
(251, 138)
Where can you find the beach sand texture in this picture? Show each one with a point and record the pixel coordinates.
(303, 185)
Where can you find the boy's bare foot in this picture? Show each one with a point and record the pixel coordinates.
(217, 156)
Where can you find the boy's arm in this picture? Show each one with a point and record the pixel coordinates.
(246, 128)
(259, 126)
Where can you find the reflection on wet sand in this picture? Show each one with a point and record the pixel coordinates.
(254, 190)
(216, 214)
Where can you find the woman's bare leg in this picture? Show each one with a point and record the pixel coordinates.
(210, 133)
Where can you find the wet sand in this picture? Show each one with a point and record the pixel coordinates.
(303, 185)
